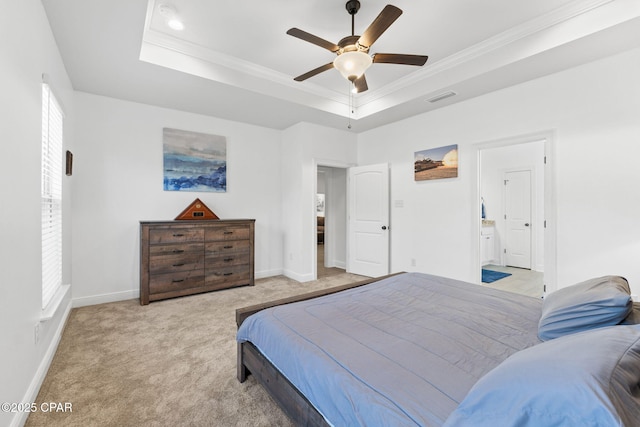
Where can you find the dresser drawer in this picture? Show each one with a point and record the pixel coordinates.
(230, 276)
(172, 263)
(229, 247)
(175, 235)
(222, 261)
(175, 249)
(159, 283)
(229, 232)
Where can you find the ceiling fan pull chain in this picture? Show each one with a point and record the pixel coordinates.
(350, 107)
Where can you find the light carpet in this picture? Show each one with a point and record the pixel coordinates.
(171, 363)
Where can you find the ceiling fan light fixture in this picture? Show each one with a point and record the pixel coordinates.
(353, 51)
(352, 65)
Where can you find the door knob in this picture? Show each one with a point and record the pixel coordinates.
(384, 227)
(526, 224)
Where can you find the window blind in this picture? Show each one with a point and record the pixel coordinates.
(51, 195)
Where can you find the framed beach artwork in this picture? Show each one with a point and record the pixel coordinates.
(436, 163)
(194, 161)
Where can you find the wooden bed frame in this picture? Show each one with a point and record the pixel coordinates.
(252, 362)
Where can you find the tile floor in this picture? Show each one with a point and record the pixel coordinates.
(521, 281)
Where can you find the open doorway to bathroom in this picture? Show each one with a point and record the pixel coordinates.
(512, 231)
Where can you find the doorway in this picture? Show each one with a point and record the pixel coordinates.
(331, 220)
(512, 194)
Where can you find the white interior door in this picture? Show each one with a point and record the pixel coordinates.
(368, 242)
(517, 186)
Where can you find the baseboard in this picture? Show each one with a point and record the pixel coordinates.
(298, 277)
(267, 273)
(126, 295)
(34, 388)
(105, 298)
(339, 264)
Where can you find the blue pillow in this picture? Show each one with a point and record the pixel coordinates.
(585, 379)
(603, 301)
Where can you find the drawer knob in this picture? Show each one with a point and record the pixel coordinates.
(178, 235)
(178, 265)
(228, 247)
(227, 274)
(177, 280)
(228, 259)
(228, 232)
(178, 251)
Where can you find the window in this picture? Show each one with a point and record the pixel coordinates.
(51, 195)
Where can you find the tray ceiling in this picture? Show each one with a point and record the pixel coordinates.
(234, 59)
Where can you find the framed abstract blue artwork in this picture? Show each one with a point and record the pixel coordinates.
(194, 161)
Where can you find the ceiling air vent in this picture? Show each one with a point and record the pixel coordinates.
(442, 96)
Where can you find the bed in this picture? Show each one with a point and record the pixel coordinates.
(418, 349)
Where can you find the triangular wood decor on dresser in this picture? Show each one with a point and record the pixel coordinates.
(197, 210)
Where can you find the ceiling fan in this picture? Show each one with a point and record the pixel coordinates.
(353, 51)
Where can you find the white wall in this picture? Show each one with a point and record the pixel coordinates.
(304, 147)
(593, 110)
(118, 176)
(23, 363)
(322, 179)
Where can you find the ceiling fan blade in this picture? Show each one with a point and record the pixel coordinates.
(313, 72)
(303, 35)
(360, 84)
(397, 58)
(379, 25)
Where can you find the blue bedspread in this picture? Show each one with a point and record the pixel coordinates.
(402, 351)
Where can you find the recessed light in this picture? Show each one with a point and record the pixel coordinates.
(175, 24)
(170, 16)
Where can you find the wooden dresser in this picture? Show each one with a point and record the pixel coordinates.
(187, 257)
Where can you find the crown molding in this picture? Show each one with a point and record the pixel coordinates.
(234, 71)
(502, 40)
